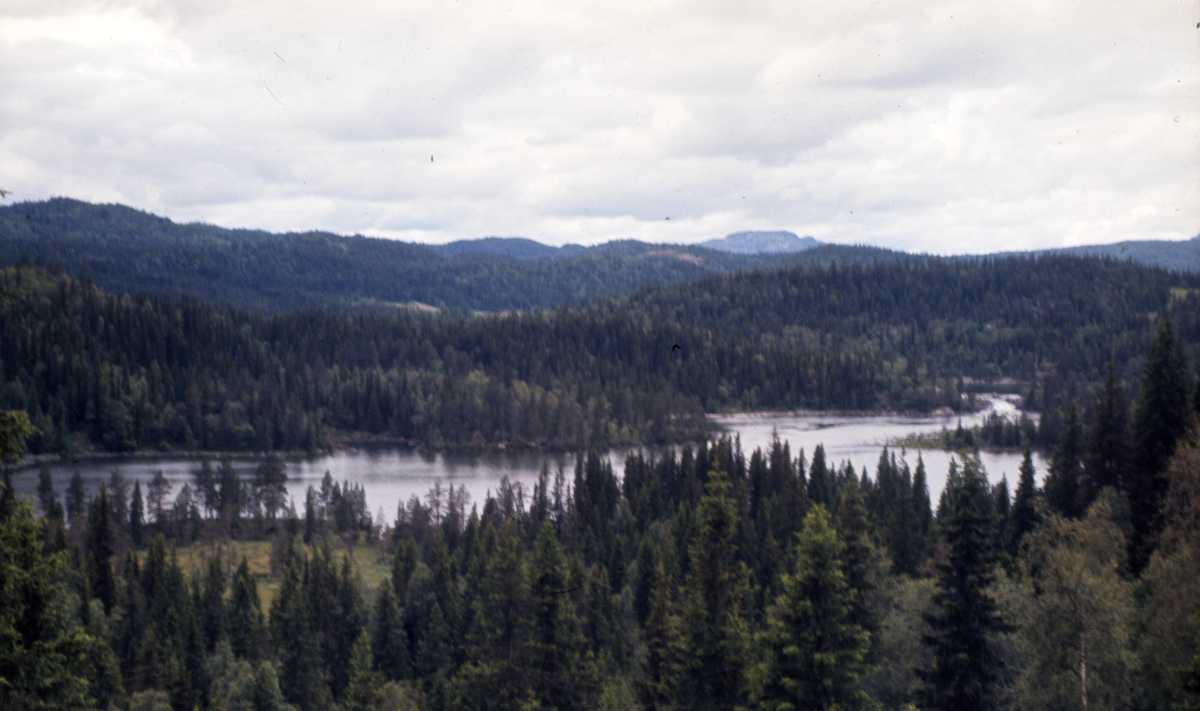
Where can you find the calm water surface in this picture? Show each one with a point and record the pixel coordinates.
(391, 475)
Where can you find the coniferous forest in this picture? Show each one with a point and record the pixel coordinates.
(706, 577)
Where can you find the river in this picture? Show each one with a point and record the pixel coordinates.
(390, 475)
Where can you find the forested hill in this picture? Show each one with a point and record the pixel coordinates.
(1181, 255)
(986, 317)
(129, 251)
(130, 372)
(1053, 322)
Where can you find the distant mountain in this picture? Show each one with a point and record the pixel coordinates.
(516, 247)
(761, 243)
(130, 251)
(1181, 255)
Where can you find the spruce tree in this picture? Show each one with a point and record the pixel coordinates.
(860, 560)
(658, 686)
(559, 676)
(75, 497)
(1023, 516)
(41, 651)
(815, 653)
(966, 666)
(717, 590)
(100, 550)
(390, 639)
(1063, 487)
(212, 604)
(820, 480)
(1159, 420)
(246, 625)
(294, 634)
(137, 515)
(1107, 456)
(364, 680)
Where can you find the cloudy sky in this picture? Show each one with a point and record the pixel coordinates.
(924, 125)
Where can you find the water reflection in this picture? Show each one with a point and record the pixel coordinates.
(391, 475)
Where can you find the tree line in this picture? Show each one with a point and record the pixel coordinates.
(130, 251)
(123, 373)
(704, 578)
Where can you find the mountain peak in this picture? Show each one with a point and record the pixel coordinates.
(761, 243)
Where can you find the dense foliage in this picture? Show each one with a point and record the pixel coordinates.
(703, 579)
(126, 250)
(126, 372)
(143, 372)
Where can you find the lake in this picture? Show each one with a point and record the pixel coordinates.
(391, 475)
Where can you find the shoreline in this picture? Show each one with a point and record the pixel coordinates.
(355, 440)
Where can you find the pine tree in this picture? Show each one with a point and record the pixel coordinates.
(157, 498)
(658, 687)
(717, 590)
(559, 676)
(1023, 516)
(1159, 420)
(966, 665)
(295, 638)
(859, 557)
(100, 551)
(815, 653)
(40, 650)
(137, 515)
(75, 497)
(390, 639)
(364, 680)
(1063, 487)
(246, 625)
(499, 675)
(820, 480)
(1107, 457)
(212, 604)
(270, 479)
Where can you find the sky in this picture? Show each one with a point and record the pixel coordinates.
(921, 125)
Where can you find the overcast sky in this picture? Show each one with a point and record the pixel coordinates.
(943, 127)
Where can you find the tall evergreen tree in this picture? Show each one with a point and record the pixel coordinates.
(246, 624)
(137, 515)
(966, 665)
(859, 559)
(41, 651)
(1023, 516)
(1063, 487)
(75, 497)
(270, 479)
(814, 651)
(820, 480)
(1159, 420)
(295, 637)
(717, 590)
(560, 679)
(500, 678)
(212, 604)
(1108, 457)
(364, 680)
(662, 669)
(390, 638)
(100, 550)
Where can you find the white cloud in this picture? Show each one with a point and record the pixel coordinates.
(944, 128)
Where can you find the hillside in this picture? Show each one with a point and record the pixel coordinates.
(124, 373)
(126, 250)
(1183, 255)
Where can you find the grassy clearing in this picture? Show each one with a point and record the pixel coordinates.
(371, 563)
